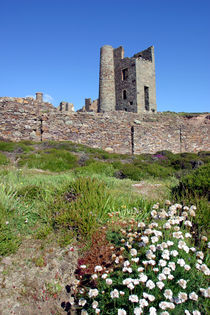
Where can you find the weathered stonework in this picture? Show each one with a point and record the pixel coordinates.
(126, 84)
(117, 131)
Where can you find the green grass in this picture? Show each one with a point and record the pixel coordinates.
(3, 159)
(23, 146)
(51, 159)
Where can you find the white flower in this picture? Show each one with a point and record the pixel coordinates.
(188, 223)
(154, 213)
(145, 239)
(84, 312)
(174, 253)
(152, 311)
(205, 292)
(182, 296)
(83, 266)
(166, 271)
(104, 276)
(170, 277)
(136, 260)
(163, 305)
(114, 294)
(187, 312)
(168, 294)
(162, 263)
(193, 249)
(153, 248)
(154, 239)
(167, 226)
(82, 302)
(170, 243)
(94, 276)
(196, 312)
(181, 262)
(143, 277)
(133, 298)
(93, 292)
(187, 267)
(136, 281)
(204, 238)
(150, 297)
(188, 235)
(200, 255)
(98, 268)
(108, 281)
(126, 263)
(140, 269)
(192, 213)
(133, 252)
(182, 283)
(161, 277)
(143, 303)
(178, 235)
(94, 304)
(172, 265)
(122, 293)
(97, 310)
(193, 296)
(155, 270)
(121, 311)
(164, 313)
(130, 286)
(165, 254)
(149, 254)
(160, 284)
(127, 281)
(138, 311)
(141, 225)
(150, 284)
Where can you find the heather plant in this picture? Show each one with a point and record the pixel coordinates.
(154, 267)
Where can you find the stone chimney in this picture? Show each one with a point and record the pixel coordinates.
(39, 97)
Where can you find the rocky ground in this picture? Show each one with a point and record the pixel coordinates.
(33, 281)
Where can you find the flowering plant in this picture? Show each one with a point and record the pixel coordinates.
(154, 268)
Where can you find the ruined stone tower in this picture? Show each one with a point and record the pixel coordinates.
(127, 83)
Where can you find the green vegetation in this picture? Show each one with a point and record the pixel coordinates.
(51, 159)
(66, 193)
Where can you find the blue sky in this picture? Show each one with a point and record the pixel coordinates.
(53, 46)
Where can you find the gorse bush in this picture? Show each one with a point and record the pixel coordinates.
(52, 160)
(153, 268)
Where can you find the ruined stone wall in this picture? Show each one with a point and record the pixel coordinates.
(26, 119)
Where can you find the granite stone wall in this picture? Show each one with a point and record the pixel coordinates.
(118, 131)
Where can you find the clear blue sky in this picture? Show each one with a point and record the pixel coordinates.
(53, 46)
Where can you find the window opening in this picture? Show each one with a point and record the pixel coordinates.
(131, 103)
(67, 107)
(146, 97)
(124, 74)
(124, 94)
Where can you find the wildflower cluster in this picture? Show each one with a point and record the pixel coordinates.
(154, 269)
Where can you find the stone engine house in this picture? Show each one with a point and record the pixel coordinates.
(127, 84)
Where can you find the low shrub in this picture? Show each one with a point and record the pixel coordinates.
(132, 172)
(194, 184)
(15, 146)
